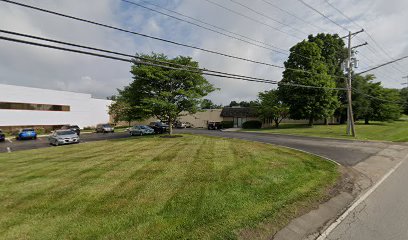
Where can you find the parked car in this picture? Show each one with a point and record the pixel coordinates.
(159, 127)
(104, 128)
(140, 130)
(214, 125)
(74, 128)
(26, 133)
(2, 136)
(61, 137)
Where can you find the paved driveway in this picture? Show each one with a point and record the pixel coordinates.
(345, 152)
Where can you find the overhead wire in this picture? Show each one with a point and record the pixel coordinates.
(160, 39)
(201, 71)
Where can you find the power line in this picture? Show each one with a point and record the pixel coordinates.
(282, 51)
(252, 19)
(159, 39)
(266, 16)
(292, 14)
(223, 75)
(322, 14)
(382, 65)
(140, 34)
(366, 32)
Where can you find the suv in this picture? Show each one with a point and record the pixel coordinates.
(159, 127)
(2, 136)
(104, 128)
(74, 128)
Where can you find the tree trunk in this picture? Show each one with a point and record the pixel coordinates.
(277, 123)
(366, 121)
(170, 127)
(311, 121)
(326, 121)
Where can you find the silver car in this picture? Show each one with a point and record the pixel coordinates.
(140, 130)
(61, 137)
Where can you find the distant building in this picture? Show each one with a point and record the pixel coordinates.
(35, 107)
(239, 115)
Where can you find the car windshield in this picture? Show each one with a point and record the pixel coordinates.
(28, 130)
(74, 126)
(67, 132)
(106, 125)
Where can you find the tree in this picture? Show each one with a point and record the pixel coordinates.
(371, 101)
(123, 111)
(208, 104)
(306, 66)
(164, 92)
(271, 107)
(233, 104)
(404, 99)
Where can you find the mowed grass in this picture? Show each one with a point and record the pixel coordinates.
(192, 187)
(396, 131)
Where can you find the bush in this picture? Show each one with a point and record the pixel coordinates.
(252, 124)
(227, 124)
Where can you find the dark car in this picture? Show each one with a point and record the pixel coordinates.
(104, 128)
(26, 133)
(74, 128)
(159, 127)
(214, 125)
(2, 136)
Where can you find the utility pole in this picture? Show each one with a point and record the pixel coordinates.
(351, 62)
(406, 82)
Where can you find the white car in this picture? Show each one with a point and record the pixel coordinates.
(61, 137)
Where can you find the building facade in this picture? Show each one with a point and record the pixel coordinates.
(26, 106)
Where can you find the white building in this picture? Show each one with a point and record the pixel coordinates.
(26, 106)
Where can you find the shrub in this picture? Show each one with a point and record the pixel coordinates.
(252, 124)
(227, 124)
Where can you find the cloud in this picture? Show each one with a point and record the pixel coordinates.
(46, 68)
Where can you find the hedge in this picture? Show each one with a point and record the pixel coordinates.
(252, 124)
(227, 124)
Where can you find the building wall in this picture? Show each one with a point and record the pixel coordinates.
(84, 110)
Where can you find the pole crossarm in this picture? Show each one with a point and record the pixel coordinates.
(363, 44)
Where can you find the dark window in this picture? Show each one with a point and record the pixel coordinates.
(34, 107)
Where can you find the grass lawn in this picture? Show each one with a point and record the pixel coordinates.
(396, 131)
(192, 187)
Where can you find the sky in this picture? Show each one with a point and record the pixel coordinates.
(279, 24)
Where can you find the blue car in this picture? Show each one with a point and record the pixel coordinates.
(26, 133)
(2, 136)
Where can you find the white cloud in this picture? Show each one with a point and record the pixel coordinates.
(46, 68)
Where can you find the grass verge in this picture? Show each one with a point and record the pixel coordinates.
(396, 131)
(193, 187)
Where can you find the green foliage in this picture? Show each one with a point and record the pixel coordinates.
(271, 107)
(308, 103)
(163, 92)
(372, 102)
(208, 104)
(243, 104)
(122, 110)
(252, 124)
(227, 124)
(404, 99)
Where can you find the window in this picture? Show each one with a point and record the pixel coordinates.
(34, 107)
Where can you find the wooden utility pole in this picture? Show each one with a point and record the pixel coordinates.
(350, 64)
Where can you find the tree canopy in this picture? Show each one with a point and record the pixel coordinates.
(308, 103)
(271, 107)
(165, 92)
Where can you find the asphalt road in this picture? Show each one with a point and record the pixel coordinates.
(42, 142)
(345, 152)
(383, 215)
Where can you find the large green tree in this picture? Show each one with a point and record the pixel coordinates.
(166, 92)
(404, 99)
(334, 53)
(373, 102)
(307, 66)
(208, 104)
(271, 107)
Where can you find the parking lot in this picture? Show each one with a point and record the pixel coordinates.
(11, 144)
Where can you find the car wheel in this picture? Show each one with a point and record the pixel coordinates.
(141, 134)
(56, 143)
